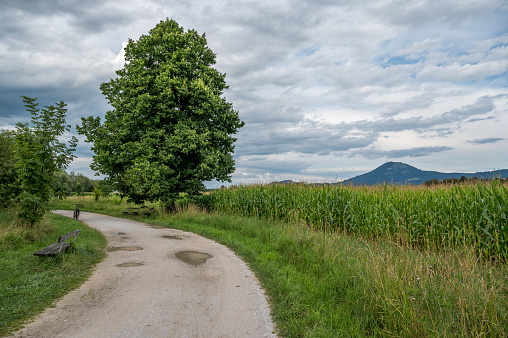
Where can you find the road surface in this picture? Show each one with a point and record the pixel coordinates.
(158, 282)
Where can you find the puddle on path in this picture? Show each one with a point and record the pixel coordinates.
(173, 237)
(124, 248)
(193, 257)
(87, 296)
(129, 265)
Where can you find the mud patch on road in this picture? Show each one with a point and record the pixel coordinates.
(121, 234)
(129, 265)
(124, 248)
(194, 258)
(173, 237)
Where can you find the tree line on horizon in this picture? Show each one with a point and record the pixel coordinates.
(464, 180)
(66, 184)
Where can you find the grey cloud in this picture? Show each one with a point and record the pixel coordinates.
(332, 174)
(311, 137)
(258, 164)
(268, 111)
(486, 140)
(423, 13)
(47, 7)
(92, 16)
(420, 101)
(483, 105)
(399, 153)
(308, 138)
(476, 119)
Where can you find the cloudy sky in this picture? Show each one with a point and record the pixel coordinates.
(327, 89)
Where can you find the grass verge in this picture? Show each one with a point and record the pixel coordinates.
(330, 284)
(29, 284)
(326, 285)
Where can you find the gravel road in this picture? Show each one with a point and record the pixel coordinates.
(158, 282)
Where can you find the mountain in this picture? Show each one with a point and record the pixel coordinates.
(401, 173)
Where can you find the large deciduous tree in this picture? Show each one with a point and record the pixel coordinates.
(170, 128)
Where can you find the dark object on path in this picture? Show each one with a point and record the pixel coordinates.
(59, 246)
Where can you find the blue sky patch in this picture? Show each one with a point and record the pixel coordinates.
(399, 60)
(307, 51)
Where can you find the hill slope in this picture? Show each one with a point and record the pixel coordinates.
(402, 173)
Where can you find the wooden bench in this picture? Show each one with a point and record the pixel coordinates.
(59, 246)
(149, 212)
(132, 211)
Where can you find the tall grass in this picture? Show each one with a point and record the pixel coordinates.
(334, 285)
(422, 217)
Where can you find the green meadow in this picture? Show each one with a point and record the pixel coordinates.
(29, 284)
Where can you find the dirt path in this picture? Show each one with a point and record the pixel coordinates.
(158, 282)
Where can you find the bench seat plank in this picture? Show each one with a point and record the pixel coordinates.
(59, 246)
(69, 235)
(53, 249)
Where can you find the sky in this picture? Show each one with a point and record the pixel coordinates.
(327, 89)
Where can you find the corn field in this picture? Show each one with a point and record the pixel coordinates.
(419, 216)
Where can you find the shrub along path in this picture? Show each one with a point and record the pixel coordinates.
(158, 282)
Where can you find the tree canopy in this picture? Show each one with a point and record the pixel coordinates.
(170, 128)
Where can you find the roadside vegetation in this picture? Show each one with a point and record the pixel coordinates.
(29, 284)
(435, 218)
(325, 281)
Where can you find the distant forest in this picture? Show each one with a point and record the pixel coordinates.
(65, 184)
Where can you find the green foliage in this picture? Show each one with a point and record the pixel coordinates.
(62, 184)
(465, 180)
(106, 188)
(79, 189)
(170, 128)
(97, 192)
(86, 183)
(417, 216)
(39, 155)
(9, 188)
